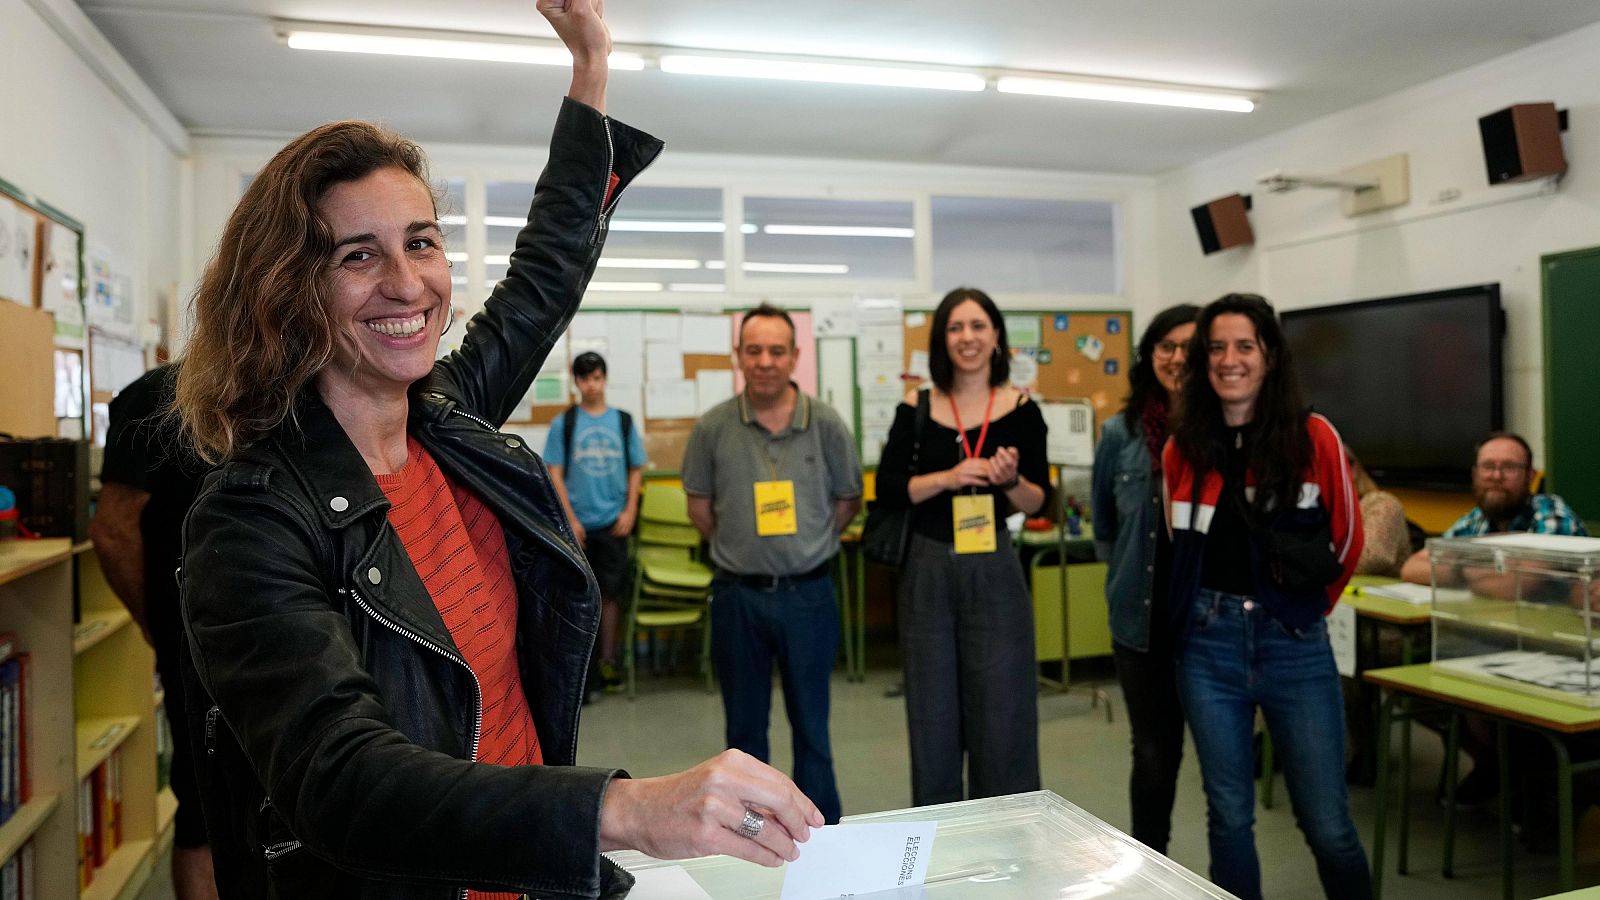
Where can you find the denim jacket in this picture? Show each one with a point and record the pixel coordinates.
(1127, 515)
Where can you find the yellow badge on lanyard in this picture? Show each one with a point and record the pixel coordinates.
(974, 522)
(775, 513)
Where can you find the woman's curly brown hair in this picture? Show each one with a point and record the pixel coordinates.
(262, 327)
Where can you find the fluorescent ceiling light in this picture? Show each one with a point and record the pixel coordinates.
(667, 227)
(634, 287)
(675, 227)
(882, 75)
(639, 262)
(799, 268)
(840, 231)
(696, 287)
(786, 268)
(437, 45)
(491, 221)
(303, 35)
(1127, 92)
(456, 256)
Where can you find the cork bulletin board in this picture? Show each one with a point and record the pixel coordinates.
(1076, 353)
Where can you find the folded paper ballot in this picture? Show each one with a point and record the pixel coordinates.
(1419, 594)
(851, 860)
(667, 883)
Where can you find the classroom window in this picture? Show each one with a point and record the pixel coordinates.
(662, 239)
(1014, 245)
(823, 241)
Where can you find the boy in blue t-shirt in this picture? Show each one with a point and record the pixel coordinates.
(599, 489)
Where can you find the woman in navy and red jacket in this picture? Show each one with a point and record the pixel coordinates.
(1266, 531)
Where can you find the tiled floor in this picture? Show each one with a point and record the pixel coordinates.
(675, 724)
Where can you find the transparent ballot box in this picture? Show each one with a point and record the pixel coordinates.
(1021, 846)
(1519, 611)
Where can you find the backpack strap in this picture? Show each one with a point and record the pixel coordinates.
(626, 421)
(924, 410)
(569, 421)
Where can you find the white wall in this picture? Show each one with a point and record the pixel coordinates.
(1307, 253)
(75, 142)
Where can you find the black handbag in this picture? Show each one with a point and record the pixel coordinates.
(887, 533)
(1301, 562)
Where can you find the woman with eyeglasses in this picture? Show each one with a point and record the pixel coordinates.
(1266, 532)
(1131, 534)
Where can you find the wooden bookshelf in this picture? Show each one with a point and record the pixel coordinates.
(126, 871)
(90, 693)
(97, 627)
(22, 825)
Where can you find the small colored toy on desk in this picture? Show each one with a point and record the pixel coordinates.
(1075, 514)
(8, 513)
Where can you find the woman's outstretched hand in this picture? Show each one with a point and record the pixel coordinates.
(581, 26)
(698, 812)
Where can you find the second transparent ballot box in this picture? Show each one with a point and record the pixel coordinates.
(1519, 611)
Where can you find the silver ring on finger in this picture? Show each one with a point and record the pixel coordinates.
(752, 824)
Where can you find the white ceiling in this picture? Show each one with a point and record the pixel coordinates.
(218, 67)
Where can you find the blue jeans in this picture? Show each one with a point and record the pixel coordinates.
(1234, 658)
(798, 626)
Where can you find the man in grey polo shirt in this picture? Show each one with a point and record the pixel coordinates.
(772, 479)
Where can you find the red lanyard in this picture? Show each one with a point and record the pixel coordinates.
(983, 433)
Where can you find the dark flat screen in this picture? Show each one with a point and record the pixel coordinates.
(1413, 383)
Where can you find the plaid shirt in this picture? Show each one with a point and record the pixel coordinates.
(1543, 514)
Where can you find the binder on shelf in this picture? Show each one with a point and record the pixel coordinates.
(85, 835)
(24, 685)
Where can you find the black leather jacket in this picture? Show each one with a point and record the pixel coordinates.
(336, 760)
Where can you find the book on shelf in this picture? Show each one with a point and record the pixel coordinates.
(14, 787)
(85, 835)
(163, 748)
(17, 877)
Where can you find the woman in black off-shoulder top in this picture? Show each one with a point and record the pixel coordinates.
(965, 612)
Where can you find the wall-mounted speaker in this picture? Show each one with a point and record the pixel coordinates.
(1222, 223)
(1523, 142)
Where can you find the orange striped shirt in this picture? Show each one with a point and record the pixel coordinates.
(459, 549)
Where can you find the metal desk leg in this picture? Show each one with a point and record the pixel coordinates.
(1381, 808)
(861, 614)
(1502, 746)
(841, 591)
(1405, 787)
(1564, 807)
(1452, 766)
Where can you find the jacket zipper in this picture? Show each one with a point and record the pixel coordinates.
(477, 689)
(605, 181)
(211, 729)
(561, 545)
(274, 851)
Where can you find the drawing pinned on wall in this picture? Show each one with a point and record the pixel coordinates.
(1024, 371)
(1111, 367)
(1024, 331)
(1061, 322)
(834, 317)
(1113, 326)
(1044, 357)
(1090, 346)
(15, 253)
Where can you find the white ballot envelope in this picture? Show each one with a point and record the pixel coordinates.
(846, 860)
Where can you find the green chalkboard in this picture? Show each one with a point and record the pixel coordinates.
(1571, 285)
